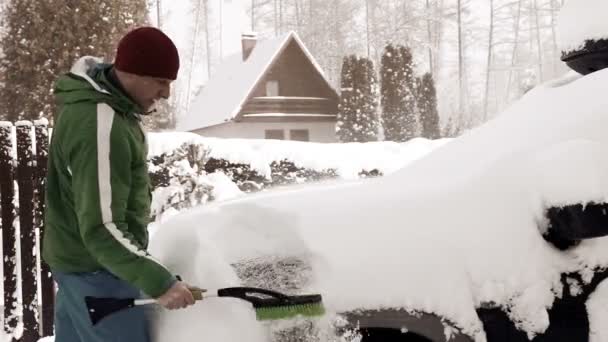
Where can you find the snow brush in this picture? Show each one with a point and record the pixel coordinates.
(268, 305)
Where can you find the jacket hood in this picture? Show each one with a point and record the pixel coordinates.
(87, 82)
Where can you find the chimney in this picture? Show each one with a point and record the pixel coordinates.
(248, 41)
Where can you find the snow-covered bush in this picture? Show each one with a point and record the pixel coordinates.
(178, 179)
(181, 176)
(243, 175)
(285, 172)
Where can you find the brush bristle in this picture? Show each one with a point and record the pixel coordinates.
(290, 311)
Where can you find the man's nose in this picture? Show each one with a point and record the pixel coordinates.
(165, 92)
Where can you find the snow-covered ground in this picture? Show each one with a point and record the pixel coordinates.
(455, 229)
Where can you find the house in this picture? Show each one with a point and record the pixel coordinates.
(274, 89)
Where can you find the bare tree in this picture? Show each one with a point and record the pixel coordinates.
(197, 8)
(538, 41)
(276, 18)
(516, 29)
(460, 61)
(221, 30)
(253, 15)
(367, 26)
(207, 39)
(438, 30)
(280, 16)
(554, 8)
(158, 14)
(297, 15)
(429, 35)
(489, 62)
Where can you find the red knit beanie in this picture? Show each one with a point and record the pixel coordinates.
(147, 51)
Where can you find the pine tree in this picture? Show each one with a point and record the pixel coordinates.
(357, 118)
(367, 119)
(427, 106)
(407, 94)
(398, 90)
(346, 107)
(44, 38)
(389, 96)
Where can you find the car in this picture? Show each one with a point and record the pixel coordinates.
(498, 236)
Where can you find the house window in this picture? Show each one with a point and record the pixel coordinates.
(299, 134)
(272, 88)
(277, 134)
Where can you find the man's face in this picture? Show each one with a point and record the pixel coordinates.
(146, 90)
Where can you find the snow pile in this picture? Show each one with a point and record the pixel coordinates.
(178, 180)
(581, 20)
(455, 229)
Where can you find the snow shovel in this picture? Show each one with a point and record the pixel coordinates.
(268, 305)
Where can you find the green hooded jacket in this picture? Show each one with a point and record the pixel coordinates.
(98, 189)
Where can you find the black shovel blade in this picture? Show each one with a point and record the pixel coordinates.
(100, 308)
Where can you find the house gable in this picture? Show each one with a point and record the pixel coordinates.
(234, 87)
(292, 88)
(296, 76)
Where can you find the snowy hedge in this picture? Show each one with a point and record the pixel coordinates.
(187, 170)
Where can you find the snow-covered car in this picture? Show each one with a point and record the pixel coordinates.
(458, 246)
(495, 236)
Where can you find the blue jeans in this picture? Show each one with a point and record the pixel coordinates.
(72, 322)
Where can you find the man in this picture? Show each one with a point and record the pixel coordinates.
(98, 190)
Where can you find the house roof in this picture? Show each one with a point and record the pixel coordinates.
(228, 89)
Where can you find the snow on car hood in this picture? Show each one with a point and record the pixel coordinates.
(455, 229)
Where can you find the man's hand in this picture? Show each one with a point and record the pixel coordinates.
(177, 297)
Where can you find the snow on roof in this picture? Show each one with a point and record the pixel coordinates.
(582, 20)
(224, 95)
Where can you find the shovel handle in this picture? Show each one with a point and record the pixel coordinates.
(138, 302)
(198, 294)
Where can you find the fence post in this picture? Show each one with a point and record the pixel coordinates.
(9, 239)
(25, 161)
(47, 285)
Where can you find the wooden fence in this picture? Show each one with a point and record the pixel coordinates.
(23, 159)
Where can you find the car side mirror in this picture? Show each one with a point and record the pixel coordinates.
(571, 224)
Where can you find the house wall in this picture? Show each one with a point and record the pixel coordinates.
(323, 132)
